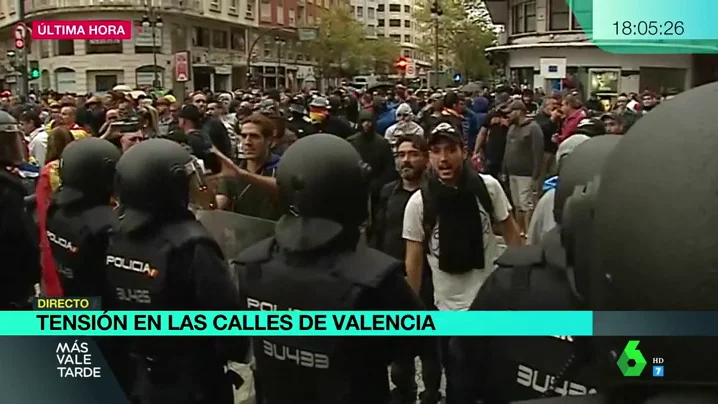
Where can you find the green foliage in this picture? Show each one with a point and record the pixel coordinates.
(341, 47)
(465, 31)
(380, 54)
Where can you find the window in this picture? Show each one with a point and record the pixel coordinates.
(380, 23)
(300, 13)
(370, 13)
(394, 23)
(395, 38)
(233, 6)
(578, 8)
(395, 8)
(219, 39)
(523, 16)
(360, 12)
(406, 53)
(407, 38)
(65, 47)
(200, 37)
(559, 15)
(353, 10)
(407, 23)
(105, 82)
(97, 46)
(380, 8)
(215, 5)
(237, 41)
(407, 9)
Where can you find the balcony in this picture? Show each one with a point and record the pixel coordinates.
(46, 6)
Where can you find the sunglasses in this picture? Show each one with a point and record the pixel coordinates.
(135, 139)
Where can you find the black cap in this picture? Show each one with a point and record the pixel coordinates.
(444, 130)
(191, 113)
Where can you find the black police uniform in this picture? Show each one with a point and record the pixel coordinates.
(639, 242)
(79, 222)
(19, 244)
(534, 278)
(315, 262)
(80, 218)
(161, 258)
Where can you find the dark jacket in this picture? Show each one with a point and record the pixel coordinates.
(19, 244)
(376, 152)
(217, 134)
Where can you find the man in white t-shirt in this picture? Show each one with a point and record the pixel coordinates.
(465, 232)
(455, 291)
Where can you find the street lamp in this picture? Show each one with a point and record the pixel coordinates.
(280, 43)
(152, 20)
(436, 13)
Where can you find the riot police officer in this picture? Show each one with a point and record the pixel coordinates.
(641, 234)
(18, 234)
(161, 258)
(80, 218)
(533, 277)
(79, 222)
(315, 261)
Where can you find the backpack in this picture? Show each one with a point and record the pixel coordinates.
(477, 187)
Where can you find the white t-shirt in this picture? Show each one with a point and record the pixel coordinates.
(457, 291)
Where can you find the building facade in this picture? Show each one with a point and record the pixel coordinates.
(393, 19)
(543, 41)
(225, 39)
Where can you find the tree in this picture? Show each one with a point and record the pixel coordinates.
(465, 31)
(380, 54)
(338, 44)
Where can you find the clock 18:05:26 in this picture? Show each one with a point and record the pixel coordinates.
(665, 28)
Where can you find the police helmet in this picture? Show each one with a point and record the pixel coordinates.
(579, 167)
(651, 243)
(152, 182)
(87, 171)
(591, 127)
(322, 177)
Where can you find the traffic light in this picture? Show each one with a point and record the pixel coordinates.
(34, 71)
(402, 64)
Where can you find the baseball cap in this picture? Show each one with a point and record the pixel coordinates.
(444, 130)
(190, 112)
(568, 145)
(516, 105)
(612, 116)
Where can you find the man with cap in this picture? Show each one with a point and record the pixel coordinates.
(324, 122)
(189, 120)
(523, 160)
(449, 223)
(670, 265)
(165, 118)
(161, 258)
(537, 277)
(614, 123)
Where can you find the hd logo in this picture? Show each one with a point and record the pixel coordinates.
(132, 265)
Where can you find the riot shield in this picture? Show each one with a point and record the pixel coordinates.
(234, 232)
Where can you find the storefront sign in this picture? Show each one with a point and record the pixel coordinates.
(182, 72)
